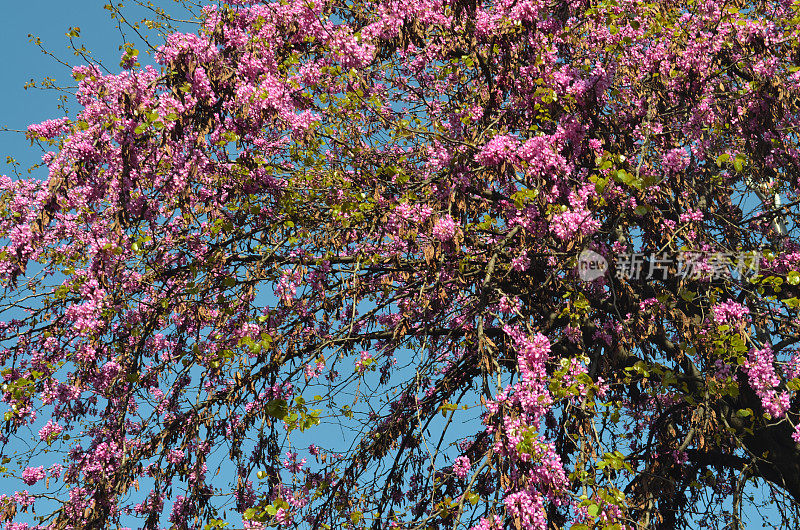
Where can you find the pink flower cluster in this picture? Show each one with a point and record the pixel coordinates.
(521, 263)
(730, 312)
(363, 362)
(531, 393)
(444, 229)
(87, 316)
(761, 375)
(286, 289)
(439, 158)
(50, 431)
(49, 129)
(175, 456)
(675, 160)
(691, 215)
(577, 218)
(528, 506)
(567, 224)
(532, 353)
(284, 517)
(292, 464)
(415, 213)
(181, 43)
(32, 475)
(312, 370)
(350, 51)
(545, 480)
(461, 466)
(508, 305)
(497, 150)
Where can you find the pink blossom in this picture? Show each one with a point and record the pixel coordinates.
(730, 311)
(32, 475)
(181, 43)
(364, 362)
(284, 517)
(521, 263)
(567, 224)
(763, 379)
(497, 150)
(691, 215)
(675, 160)
(292, 464)
(175, 456)
(461, 466)
(312, 370)
(50, 129)
(444, 229)
(49, 431)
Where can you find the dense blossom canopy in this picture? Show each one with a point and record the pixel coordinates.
(325, 265)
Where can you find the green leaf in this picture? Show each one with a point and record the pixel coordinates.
(723, 158)
(687, 295)
(793, 278)
(600, 185)
(593, 510)
(793, 302)
(278, 408)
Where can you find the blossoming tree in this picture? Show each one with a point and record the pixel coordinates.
(533, 262)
